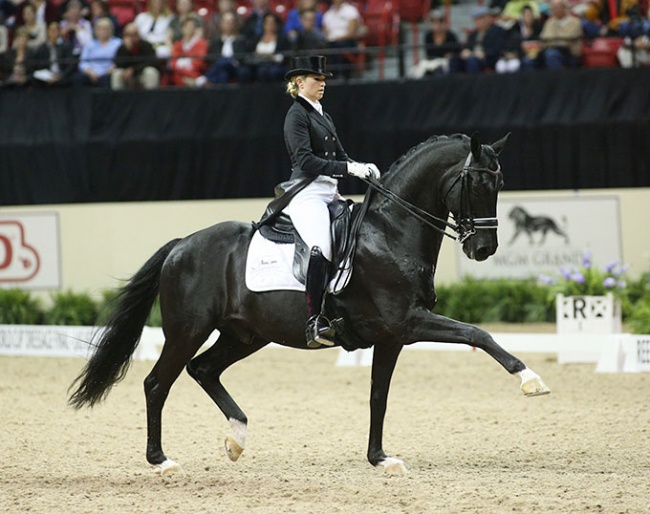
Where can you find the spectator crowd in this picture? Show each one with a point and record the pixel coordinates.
(97, 43)
(516, 35)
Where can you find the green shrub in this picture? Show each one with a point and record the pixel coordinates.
(70, 308)
(639, 320)
(469, 300)
(154, 319)
(482, 301)
(17, 307)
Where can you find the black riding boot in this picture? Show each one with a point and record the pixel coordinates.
(318, 330)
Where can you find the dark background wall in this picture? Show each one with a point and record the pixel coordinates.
(581, 129)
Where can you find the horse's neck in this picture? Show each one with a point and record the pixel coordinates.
(402, 229)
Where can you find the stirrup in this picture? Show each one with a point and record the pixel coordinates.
(319, 332)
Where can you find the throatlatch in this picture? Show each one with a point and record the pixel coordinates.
(319, 330)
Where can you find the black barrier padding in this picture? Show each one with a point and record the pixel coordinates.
(570, 130)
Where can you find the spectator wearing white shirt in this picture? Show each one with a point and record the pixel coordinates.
(341, 23)
(153, 26)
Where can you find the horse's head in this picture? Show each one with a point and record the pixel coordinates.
(471, 197)
(517, 214)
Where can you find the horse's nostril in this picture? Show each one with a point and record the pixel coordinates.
(482, 253)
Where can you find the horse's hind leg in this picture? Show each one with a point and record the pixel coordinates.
(176, 353)
(207, 368)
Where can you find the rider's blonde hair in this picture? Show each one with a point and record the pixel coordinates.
(292, 85)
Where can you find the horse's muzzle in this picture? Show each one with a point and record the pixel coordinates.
(480, 246)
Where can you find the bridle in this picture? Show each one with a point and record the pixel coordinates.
(464, 224)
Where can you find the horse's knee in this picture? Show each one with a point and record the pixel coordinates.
(149, 383)
(476, 334)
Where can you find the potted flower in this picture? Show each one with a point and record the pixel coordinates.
(588, 298)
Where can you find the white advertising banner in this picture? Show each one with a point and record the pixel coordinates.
(29, 251)
(66, 341)
(538, 235)
(50, 341)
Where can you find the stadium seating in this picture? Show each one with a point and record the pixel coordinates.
(601, 52)
(381, 29)
(124, 10)
(413, 12)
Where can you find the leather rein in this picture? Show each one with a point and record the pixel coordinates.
(466, 226)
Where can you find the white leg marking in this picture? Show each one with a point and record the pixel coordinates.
(169, 466)
(393, 466)
(532, 384)
(235, 444)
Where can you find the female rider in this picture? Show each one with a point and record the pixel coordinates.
(317, 160)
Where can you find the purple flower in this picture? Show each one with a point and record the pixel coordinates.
(609, 283)
(621, 284)
(586, 259)
(546, 280)
(578, 277)
(610, 267)
(566, 272)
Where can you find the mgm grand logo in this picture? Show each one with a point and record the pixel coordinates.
(535, 226)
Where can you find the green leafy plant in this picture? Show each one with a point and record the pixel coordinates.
(639, 319)
(70, 308)
(482, 301)
(18, 307)
(154, 319)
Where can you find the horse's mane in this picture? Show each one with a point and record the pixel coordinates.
(426, 143)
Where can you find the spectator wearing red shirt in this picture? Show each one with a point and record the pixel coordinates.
(188, 55)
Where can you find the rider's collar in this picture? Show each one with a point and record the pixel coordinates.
(315, 105)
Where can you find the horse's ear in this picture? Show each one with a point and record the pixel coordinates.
(497, 146)
(475, 145)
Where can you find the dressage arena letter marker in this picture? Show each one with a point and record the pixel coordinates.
(588, 314)
(643, 353)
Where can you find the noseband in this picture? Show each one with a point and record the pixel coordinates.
(465, 225)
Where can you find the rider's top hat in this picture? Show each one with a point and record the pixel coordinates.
(307, 65)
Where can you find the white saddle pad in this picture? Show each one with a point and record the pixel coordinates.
(269, 267)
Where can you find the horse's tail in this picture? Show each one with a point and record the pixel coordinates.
(123, 328)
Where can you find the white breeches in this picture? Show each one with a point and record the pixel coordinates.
(309, 214)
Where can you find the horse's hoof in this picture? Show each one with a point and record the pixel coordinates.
(532, 384)
(535, 387)
(393, 467)
(168, 466)
(233, 450)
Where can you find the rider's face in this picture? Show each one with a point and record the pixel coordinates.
(312, 87)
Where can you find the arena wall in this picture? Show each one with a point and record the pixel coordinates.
(100, 243)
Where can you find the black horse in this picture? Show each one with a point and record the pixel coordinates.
(387, 303)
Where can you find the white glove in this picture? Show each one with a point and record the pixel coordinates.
(362, 170)
(374, 170)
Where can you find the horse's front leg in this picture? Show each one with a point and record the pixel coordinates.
(383, 365)
(427, 326)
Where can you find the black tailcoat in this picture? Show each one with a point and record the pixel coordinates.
(313, 144)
